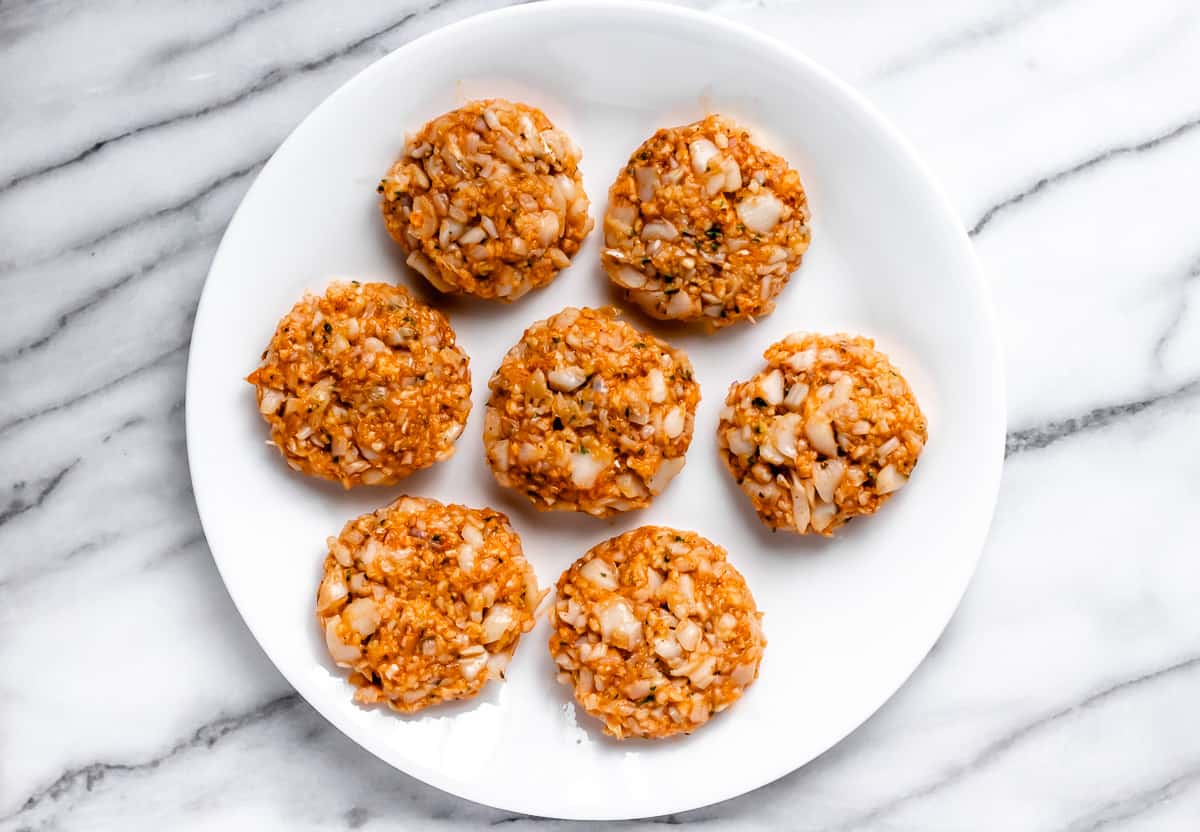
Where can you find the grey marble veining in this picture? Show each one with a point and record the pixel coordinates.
(1061, 697)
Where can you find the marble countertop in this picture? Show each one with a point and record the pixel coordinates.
(1063, 694)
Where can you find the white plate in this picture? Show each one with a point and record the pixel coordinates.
(847, 620)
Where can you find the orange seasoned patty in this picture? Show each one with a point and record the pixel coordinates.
(425, 602)
(487, 200)
(656, 632)
(363, 384)
(828, 431)
(587, 413)
(705, 225)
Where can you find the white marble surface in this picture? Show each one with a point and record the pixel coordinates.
(1064, 693)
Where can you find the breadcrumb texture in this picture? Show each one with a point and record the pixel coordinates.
(589, 414)
(364, 384)
(656, 632)
(705, 225)
(425, 602)
(827, 432)
(487, 200)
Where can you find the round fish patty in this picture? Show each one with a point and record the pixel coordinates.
(828, 431)
(364, 384)
(656, 632)
(704, 225)
(487, 200)
(425, 602)
(588, 414)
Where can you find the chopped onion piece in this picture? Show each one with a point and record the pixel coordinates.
(661, 230)
(771, 387)
(340, 651)
(362, 615)
(702, 152)
(497, 622)
(657, 386)
(497, 663)
(760, 212)
(822, 515)
(820, 433)
(688, 634)
(702, 676)
(733, 175)
(826, 476)
(637, 689)
(783, 434)
(667, 469)
(585, 468)
(629, 277)
(566, 379)
(472, 535)
(802, 360)
(673, 422)
(472, 665)
(890, 480)
(801, 511)
(668, 648)
(796, 395)
(271, 400)
(887, 447)
(618, 626)
(680, 305)
(738, 442)
(600, 572)
(647, 183)
(333, 591)
(466, 557)
(743, 674)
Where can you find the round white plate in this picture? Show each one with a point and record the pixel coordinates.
(848, 620)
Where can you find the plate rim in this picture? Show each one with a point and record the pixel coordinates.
(992, 461)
